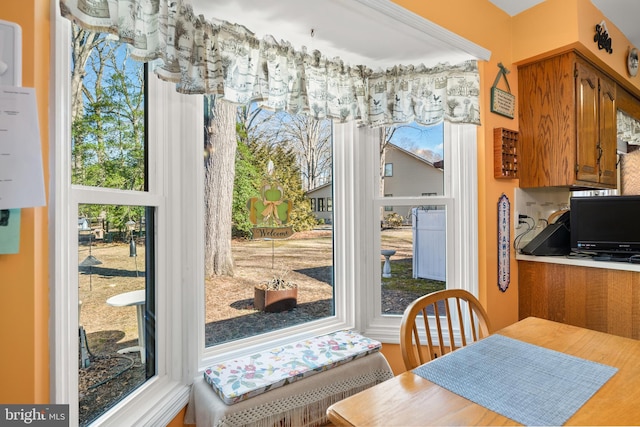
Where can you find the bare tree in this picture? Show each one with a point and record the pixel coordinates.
(308, 137)
(219, 163)
(251, 119)
(385, 139)
(83, 43)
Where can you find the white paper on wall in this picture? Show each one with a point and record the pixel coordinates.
(21, 172)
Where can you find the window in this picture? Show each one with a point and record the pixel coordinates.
(108, 153)
(388, 208)
(116, 292)
(456, 207)
(329, 204)
(277, 238)
(111, 243)
(427, 207)
(169, 244)
(388, 169)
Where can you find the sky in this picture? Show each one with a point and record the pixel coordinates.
(417, 139)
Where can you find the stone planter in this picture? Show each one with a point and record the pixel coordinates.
(275, 300)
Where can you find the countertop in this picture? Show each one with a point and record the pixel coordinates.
(581, 261)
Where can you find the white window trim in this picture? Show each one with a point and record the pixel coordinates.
(461, 202)
(344, 269)
(161, 398)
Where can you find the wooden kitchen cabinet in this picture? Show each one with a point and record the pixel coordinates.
(601, 299)
(567, 113)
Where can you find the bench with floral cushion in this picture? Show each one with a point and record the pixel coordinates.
(239, 379)
(292, 385)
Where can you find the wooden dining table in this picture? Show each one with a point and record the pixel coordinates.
(410, 400)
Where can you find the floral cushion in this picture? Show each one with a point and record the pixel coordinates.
(240, 379)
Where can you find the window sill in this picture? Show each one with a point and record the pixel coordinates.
(157, 404)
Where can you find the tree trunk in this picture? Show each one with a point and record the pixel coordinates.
(385, 138)
(218, 189)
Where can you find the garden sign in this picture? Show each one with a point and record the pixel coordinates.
(270, 213)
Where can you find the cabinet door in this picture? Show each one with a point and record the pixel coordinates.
(587, 125)
(608, 133)
(547, 112)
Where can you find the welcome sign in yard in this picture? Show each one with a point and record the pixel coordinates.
(270, 212)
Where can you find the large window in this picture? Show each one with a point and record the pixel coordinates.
(269, 264)
(413, 223)
(110, 344)
(116, 256)
(144, 201)
(413, 236)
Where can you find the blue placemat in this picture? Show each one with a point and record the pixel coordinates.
(527, 383)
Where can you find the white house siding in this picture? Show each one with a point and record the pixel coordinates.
(412, 176)
(322, 197)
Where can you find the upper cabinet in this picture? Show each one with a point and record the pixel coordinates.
(567, 112)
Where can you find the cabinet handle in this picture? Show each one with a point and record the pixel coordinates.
(599, 152)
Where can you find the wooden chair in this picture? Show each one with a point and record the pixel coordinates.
(458, 308)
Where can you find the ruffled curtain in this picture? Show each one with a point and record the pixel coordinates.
(215, 57)
(628, 128)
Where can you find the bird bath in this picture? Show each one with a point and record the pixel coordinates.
(386, 269)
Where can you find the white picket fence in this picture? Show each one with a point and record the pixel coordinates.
(429, 244)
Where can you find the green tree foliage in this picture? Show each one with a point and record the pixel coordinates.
(287, 173)
(108, 137)
(246, 185)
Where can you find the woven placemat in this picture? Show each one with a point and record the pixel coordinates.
(531, 385)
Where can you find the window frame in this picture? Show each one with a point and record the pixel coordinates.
(343, 224)
(168, 389)
(181, 354)
(461, 202)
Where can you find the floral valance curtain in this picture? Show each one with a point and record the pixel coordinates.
(628, 128)
(215, 57)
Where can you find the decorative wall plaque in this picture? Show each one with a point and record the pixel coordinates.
(632, 62)
(504, 244)
(502, 102)
(602, 38)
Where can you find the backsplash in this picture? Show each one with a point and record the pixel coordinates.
(537, 204)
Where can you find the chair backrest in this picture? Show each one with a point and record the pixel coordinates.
(460, 311)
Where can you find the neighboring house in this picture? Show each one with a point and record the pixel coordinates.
(321, 199)
(406, 174)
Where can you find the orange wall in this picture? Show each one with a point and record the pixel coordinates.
(24, 306)
(571, 23)
(552, 24)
